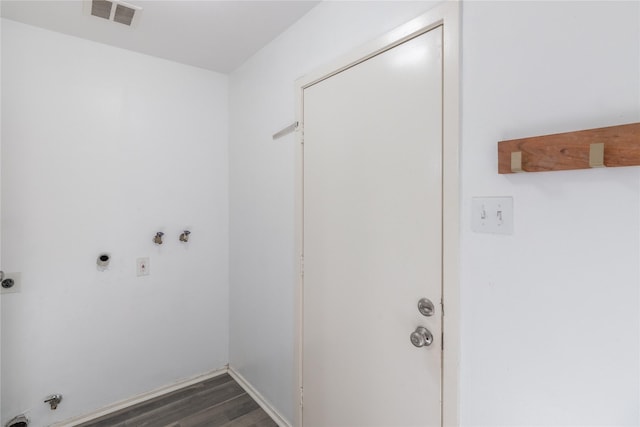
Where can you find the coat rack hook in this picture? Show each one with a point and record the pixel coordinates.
(516, 161)
(596, 155)
(291, 128)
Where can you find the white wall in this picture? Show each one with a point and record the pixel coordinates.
(550, 314)
(103, 147)
(262, 102)
(550, 321)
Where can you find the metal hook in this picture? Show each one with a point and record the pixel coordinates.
(596, 155)
(516, 161)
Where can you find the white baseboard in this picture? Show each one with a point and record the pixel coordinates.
(275, 415)
(140, 398)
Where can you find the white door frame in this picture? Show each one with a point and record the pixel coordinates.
(446, 14)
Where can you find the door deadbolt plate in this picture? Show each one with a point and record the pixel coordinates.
(426, 307)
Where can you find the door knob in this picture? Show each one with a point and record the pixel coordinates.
(425, 307)
(421, 337)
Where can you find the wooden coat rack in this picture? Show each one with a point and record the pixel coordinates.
(612, 146)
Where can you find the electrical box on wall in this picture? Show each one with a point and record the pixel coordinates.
(492, 215)
(142, 266)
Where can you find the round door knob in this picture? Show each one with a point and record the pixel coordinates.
(421, 337)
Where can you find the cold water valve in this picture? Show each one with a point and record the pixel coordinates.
(184, 237)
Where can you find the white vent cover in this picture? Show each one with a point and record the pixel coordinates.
(101, 8)
(113, 10)
(124, 14)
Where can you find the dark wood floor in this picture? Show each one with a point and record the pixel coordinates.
(217, 402)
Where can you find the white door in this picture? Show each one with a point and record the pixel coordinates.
(373, 240)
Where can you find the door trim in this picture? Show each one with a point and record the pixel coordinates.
(446, 15)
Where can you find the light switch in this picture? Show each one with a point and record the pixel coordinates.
(492, 215)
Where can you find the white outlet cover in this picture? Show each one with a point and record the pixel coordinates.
(17, 286)
(493, 215)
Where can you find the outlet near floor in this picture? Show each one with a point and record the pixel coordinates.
(11, 283)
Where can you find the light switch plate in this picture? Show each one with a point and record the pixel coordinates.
(492, 215)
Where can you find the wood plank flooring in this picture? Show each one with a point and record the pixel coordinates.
(217, 402)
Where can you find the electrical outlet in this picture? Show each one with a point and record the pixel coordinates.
(492, 215)
(11, 284)
(143, 267)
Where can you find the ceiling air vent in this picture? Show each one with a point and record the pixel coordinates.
(115, 11)
(124, 14)
(101, 8)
